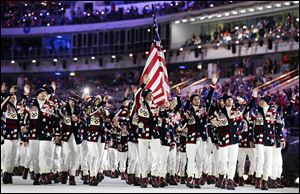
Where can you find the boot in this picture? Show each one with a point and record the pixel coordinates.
(64, 178)
(258, 183)
(130, 179)
(93, 181)
(182, 180)
(123, 176)
(220, 180)
(36, 179)
(162, 182)
(56, 178)
(72, 180)
(44, 179)
(279, 183)
(211, 180)
(224, 184)
(230, 184)
(49, 178)
(10, 178)
(241, 181)
(137, 181)
(264, 185)
(25, 173)
(86, 179)
(168, 178)
(144, 183)
(100, 177)
(190, 183)
(235, 184)
(251, 179)
(197, 183)
(155, 180)
(114, 175)
(203, 179)
(6, 178)
(173, 180)
(273, 184)
(31, 175)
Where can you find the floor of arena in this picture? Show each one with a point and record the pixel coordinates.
(109, 185)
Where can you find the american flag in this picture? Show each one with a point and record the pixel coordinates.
(156, 70)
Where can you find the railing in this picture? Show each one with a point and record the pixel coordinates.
(287, 84)
(278, 80)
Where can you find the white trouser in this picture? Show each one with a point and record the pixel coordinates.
(9, 156)
(277, 163)
(155, 146)
(122, 159)
(177, 162)
(243, 152)
(163, 162)
(84, 155)
(32, 157)
(264, 159)
(57, 159)
(191, 150)
(133, 159)
(46, 155)
(113, 152)
(23, 154)
(71, 156)
(2, 153)
(17, 156)
(95, 150)
(210, 149)
(201, 157)
(171, 167)
(228, 158)
(215, 165)
(105, 162)
(182, 165)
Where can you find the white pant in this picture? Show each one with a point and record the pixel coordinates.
(163, 162)
(32, 157)
(201, 157)
(191, 150)
(95, 152)
(17, 157)
(171, 167)
(122, 159)
(105, 162)
(182, 163)
(71, 156)
(228, 158)
(144, 156)
(46, 155)
(9, 155)
(277, 163)
(57, 159)
(211, 151)
(84, 158)
(264, 159)
(243, 152)
(113, 158)
(133, 159)
(177, 162)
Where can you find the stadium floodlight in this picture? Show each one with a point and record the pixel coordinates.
(219, 15)
(93, 57)
(278, 4)
(287, 3)
(33, 61)
(227, 14)
(147, 52)
(130, 55)
(199, 47)
(269, 6)
(75, 59)
(243, 11)
(260, 8)
(12, 62)
(184, 20)
(72, 74)
(234, 12)
(192, 19)
(181, 49)
(55, 60)
(177, 22)
(199, 66)
(86, 90)
(251, 9)
(113, 57)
